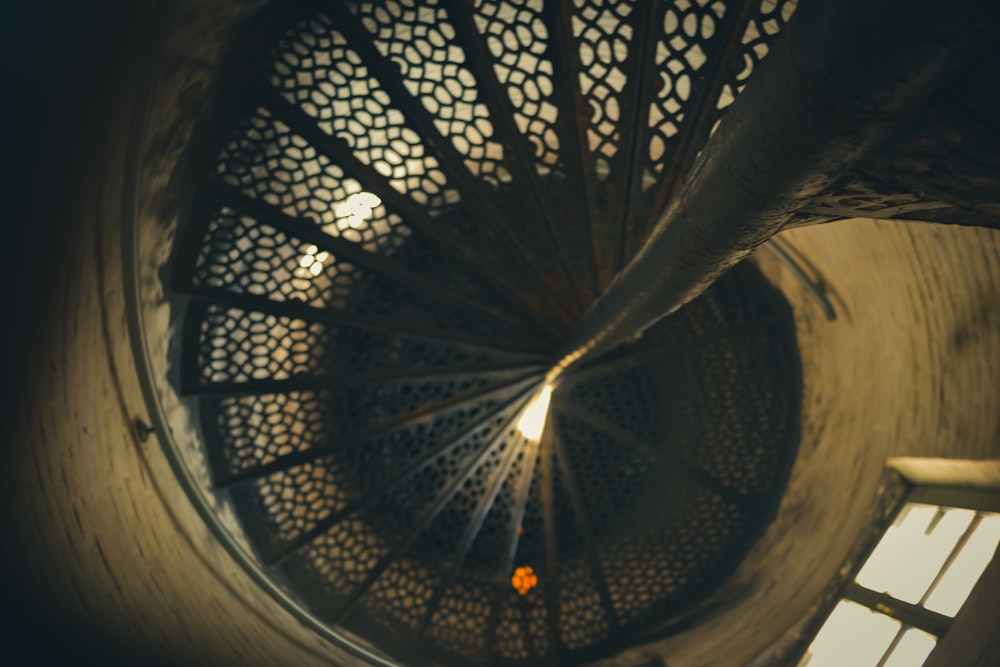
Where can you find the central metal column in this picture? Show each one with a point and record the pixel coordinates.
(843, 76)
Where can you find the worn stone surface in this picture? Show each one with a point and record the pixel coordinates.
(108, 558)
(910, 368)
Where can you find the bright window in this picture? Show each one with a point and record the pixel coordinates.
(912, 584)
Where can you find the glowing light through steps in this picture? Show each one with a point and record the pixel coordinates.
(532, 421)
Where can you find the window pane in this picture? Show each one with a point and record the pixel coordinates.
(852, 635)
(913, 549)
(963, 573)
(912, 649)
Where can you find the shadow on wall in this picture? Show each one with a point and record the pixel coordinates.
(59, 65)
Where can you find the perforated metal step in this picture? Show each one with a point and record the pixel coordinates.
(409, 206)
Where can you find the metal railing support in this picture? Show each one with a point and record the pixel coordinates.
(841, 77)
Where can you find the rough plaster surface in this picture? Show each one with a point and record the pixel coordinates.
(110, 559)
(108, 546)
(911, 367)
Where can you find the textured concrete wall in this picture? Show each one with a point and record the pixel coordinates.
(106, 558)
(911, 367)
(104, 547)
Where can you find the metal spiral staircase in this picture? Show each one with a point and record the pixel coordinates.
(403, 216)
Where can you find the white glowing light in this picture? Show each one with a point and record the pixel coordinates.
(353, 213)
(310, 265)
(532, 421)
(359, 204)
